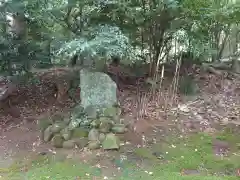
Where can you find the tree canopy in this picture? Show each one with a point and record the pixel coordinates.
(52, 32)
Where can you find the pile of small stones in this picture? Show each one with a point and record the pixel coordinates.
(94, 129)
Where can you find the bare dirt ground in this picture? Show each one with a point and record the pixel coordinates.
(217, 105)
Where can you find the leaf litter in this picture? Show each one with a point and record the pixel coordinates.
(217, 104)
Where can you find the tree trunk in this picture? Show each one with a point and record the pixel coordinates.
(234, 42)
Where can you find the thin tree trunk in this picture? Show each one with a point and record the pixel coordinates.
(234, 42)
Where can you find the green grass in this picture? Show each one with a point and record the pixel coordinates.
(192, 153)
(45, 168)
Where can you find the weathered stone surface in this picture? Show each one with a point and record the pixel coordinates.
(105, 126)
(95, 123)
(86, 122)
(66, 133)
(110, 111)
(97, 89)
(116, 119)
(93, 135)
(101, 137)
(81, 142)
(97, 110)
(111, 142)
(57, 141)
(67, 120)
(43, 123)
(70, 144)
(94, 145)
(119, 128)
(91, 112)
(77, 112)
(57, 127)
(106, 119)
(80, 132)
(57, 118)
(76, 122)
(47, 134)
(76, 117)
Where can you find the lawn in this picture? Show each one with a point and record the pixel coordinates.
(186, 158)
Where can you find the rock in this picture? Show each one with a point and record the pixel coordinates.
(93, 135)
(97, 89)
(67, 120)
(76, 117)
(91, 112)
(70, 144)
(116, 119)
(95, 123)
(66, 134)
(76, 122)
(111, 142)
(43, 124)
(101, 137)
(81, 142)
(105, 126)
(57, 141)
(57, 127)
(86, 123)
(110, 111)
(94, 145)
(119, 128)
(77, 112)
(106, 119)
(80, 132)
(57, 118)
(73, 93)
(47, 134)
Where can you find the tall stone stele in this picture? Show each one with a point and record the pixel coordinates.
(97, 89)
(95, 121)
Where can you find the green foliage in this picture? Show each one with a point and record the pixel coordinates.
(101, 42)
(208, 20)
(57, 30)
